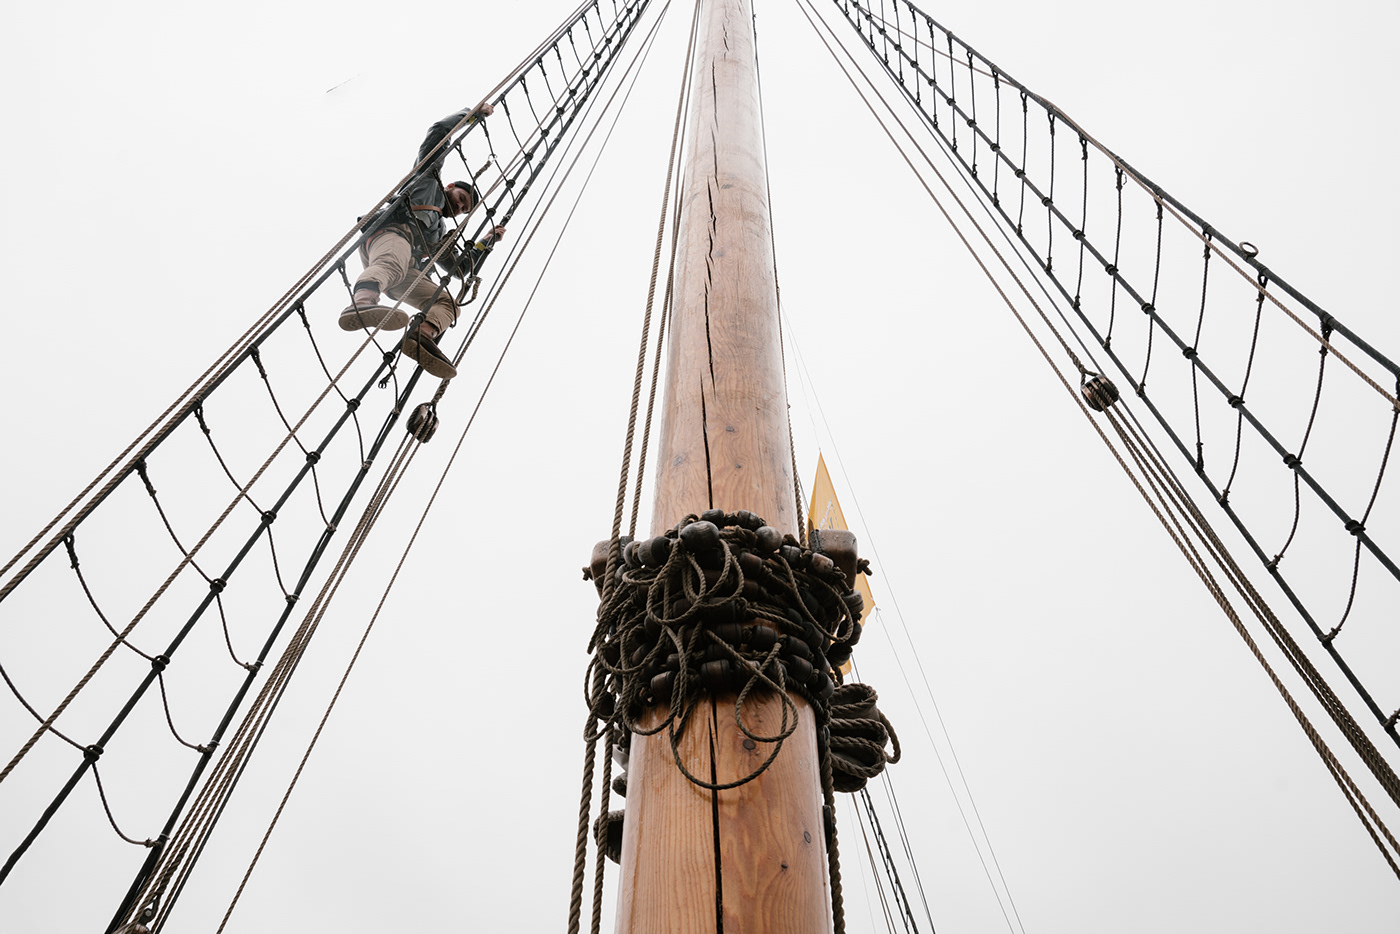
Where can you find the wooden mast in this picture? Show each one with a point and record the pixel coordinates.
(750, 859)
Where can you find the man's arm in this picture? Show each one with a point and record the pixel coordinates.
(466, 262)
(438, 131)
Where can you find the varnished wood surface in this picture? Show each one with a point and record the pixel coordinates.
(771, 858)
(668, 851)
(749, 860)
(772, 843)
(724, 440)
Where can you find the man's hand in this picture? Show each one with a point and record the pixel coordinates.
(497, 233)
(485, 110)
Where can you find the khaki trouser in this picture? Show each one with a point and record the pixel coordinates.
(388, 259)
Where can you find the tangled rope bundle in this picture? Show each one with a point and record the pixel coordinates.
(859, 732)
(724, 603)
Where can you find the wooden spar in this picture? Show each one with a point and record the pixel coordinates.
(750, 859)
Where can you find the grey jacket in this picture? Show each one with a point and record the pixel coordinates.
(421, 209)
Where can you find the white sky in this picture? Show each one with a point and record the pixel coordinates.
(171, 169)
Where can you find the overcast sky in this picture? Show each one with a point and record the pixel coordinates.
(170, 170)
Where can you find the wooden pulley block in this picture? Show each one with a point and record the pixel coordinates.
(750, 563)
(629, 555)
(598, 562)
(654, 551)
(854, 602)
(604, 706)
(423, 422)
(639, 655)
(799, 648)
(619, 786)
(747, 520)
(715, 675)
(1099, 392)
(822, 564)
(761, 638)
(792, 555)
(713, 516)
(769, 539)
(799, 670)
(661, 685)
(840, 546)
(612, 652)
(826, 688)
(711, 559)
(729, 611)
(731, 633)
(752, 590)
(839, 654)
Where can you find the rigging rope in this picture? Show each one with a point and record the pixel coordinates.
(591, 734)
(1380, 769)
(985, 837)
(516, 177)
(1264, 285)
(320, 608)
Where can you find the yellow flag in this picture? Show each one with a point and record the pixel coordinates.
(825, 513)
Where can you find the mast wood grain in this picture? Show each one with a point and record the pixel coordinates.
(724, 434)
(750, 859)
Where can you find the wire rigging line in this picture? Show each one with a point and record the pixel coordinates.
(906, 911)
(188, 558)
(544, 206)
(1262, 286)
(875, 870)
(236, 353)
(393, 476)
(1359, 741)
(590, 729)
(908, 848)
(1348, 727)
(777, 287)
(853, 815)
(671, 161)
(613, 39)
(985, 839)
(928, 688)
(1211, 238)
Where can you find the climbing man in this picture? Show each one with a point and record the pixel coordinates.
(397, 254)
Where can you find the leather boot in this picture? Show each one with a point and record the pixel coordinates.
(419, 347)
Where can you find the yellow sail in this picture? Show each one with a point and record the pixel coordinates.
(825, 513)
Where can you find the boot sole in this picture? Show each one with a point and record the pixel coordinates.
(431, 363)
(363, 319)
